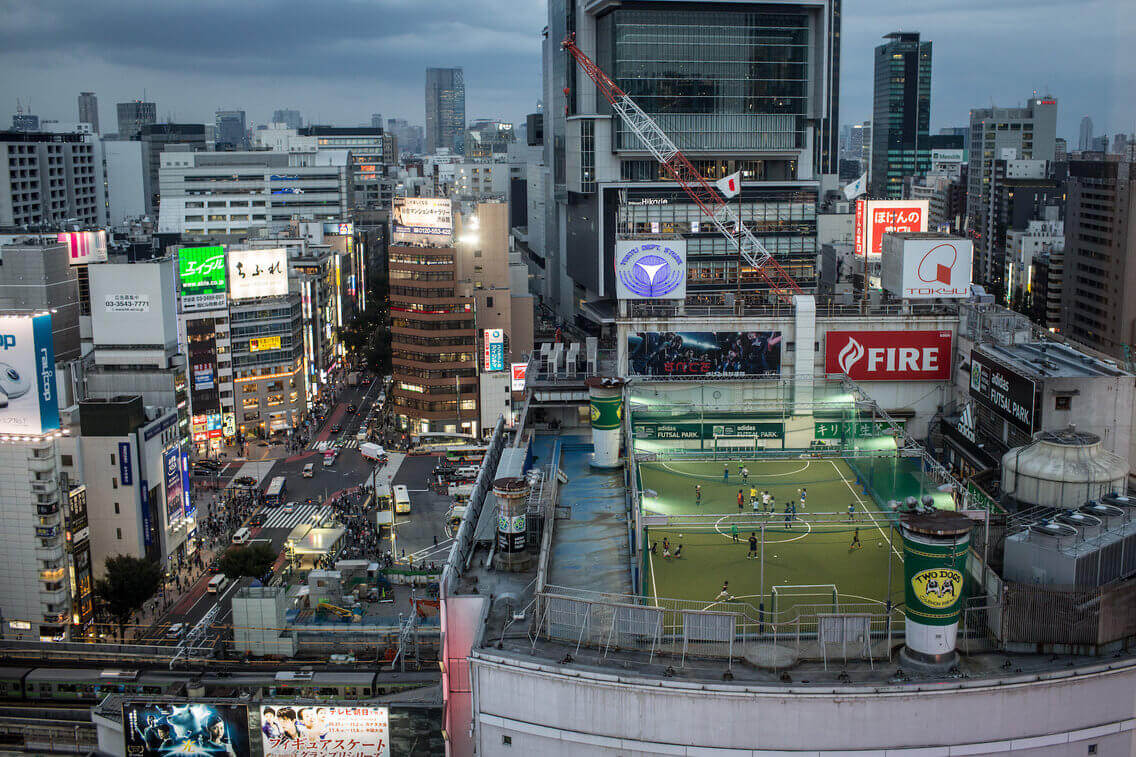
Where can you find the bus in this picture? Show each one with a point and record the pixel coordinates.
(401, 499)
(466, 455)
(274, 494)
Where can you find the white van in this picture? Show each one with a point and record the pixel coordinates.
(309, 470)
(241, 536)
(217, 582)
(466, 472)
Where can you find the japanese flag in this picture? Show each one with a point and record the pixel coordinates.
(730, 185)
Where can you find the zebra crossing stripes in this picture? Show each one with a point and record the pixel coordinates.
(277, 518)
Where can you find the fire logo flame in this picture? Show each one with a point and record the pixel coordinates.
(850, 355)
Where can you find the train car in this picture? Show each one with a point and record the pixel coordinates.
(91, 685)
(12, 683)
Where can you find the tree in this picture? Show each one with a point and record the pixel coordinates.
(129, 582)
(253, 561)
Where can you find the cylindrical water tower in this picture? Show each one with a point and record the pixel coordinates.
(512, 541)
(606, 395)
(935, 544)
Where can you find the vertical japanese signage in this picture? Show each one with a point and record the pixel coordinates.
(494, 350)
(171, 465)
(125, 469)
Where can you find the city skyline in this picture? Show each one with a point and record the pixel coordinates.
(191, 74)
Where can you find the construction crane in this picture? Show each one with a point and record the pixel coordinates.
(693, 183)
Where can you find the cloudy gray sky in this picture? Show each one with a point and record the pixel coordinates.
(338, 61)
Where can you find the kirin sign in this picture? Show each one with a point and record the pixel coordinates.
(889, 355)
(650, 270)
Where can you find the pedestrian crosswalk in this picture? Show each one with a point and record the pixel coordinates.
(302, 514)
(330, 443)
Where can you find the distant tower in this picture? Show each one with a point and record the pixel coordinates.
(445, 109)
(89, 110)
(1085, 142)
(901, 115)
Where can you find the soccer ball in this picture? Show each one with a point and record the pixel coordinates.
(879, 544)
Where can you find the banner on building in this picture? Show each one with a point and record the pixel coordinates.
(27, 375)
(704, 353)
(889, 355)
(432, 216)
(874, 218)
(1011, 395)
(300, 730)
(650, 270)
(85, 246)
(494, 350)
(258, 273)
(169, 730)
(201, 275)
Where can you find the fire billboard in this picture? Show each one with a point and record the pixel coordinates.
(928, 267)
(201, 273)
(494, 350)
(422, 215)
(874, 218)
(704, 353)
(166, 729)
(1011, 395)
(28, 401)
(258, 273)
(85, 246)
(520, 370)
(650, 270)
(299, 730)
(889, 355)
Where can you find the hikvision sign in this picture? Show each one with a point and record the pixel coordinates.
(889, 355)
(928, 267)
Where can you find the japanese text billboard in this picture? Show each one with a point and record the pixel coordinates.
(704, 353)
(874, 218)
(28, 402)
(258, 273)
(520, 370)
(422, 215)
(302, 730)
(889, 355)
(494, 350)
(201, 273)
(167, 729)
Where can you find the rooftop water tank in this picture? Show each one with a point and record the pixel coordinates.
(1062, 469)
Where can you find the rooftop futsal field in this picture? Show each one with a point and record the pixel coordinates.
(770, 510)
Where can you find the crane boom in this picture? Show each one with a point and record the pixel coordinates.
(704, 195)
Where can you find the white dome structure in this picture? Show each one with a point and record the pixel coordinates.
(1062, 469)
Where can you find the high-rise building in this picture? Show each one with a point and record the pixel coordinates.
(599, 182)
(1120, 144)
(1085, 140)
(409, 137)
(89, 110)
(486, 137)
(1100, 255)
(132, 116)
(156, 138)
(445, 109)
(1060, 151)
(1099, 144)
(1004, 134)
(249, 189)
(376, 120)
(901, 113)
(230, 131)
(288, 117)
(47, 179)
(370, 185)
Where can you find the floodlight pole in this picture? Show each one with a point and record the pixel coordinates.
(762, 570)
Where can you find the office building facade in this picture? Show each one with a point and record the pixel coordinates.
(901, 113)
(367, 171)
(1100, 256)
(445, 109)
(132, 116)
(765, 110)
(230, 132)
(156, 139)
(48, 179)
(287, 116)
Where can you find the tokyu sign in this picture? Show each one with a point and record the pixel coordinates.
(889, 355)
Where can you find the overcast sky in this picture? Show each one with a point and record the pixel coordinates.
(338, 61)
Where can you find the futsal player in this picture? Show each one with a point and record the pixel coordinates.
(698, 495)
(724, 593)
(734, 532)
(803, 495)
(855, 540)
(753, 498)
(752, 544)
(741, 500)
(851, 510)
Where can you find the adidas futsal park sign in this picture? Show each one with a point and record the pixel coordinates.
(680, 431)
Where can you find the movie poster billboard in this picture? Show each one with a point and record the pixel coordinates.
(704, 353)
(161, 729)
(302, 730)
